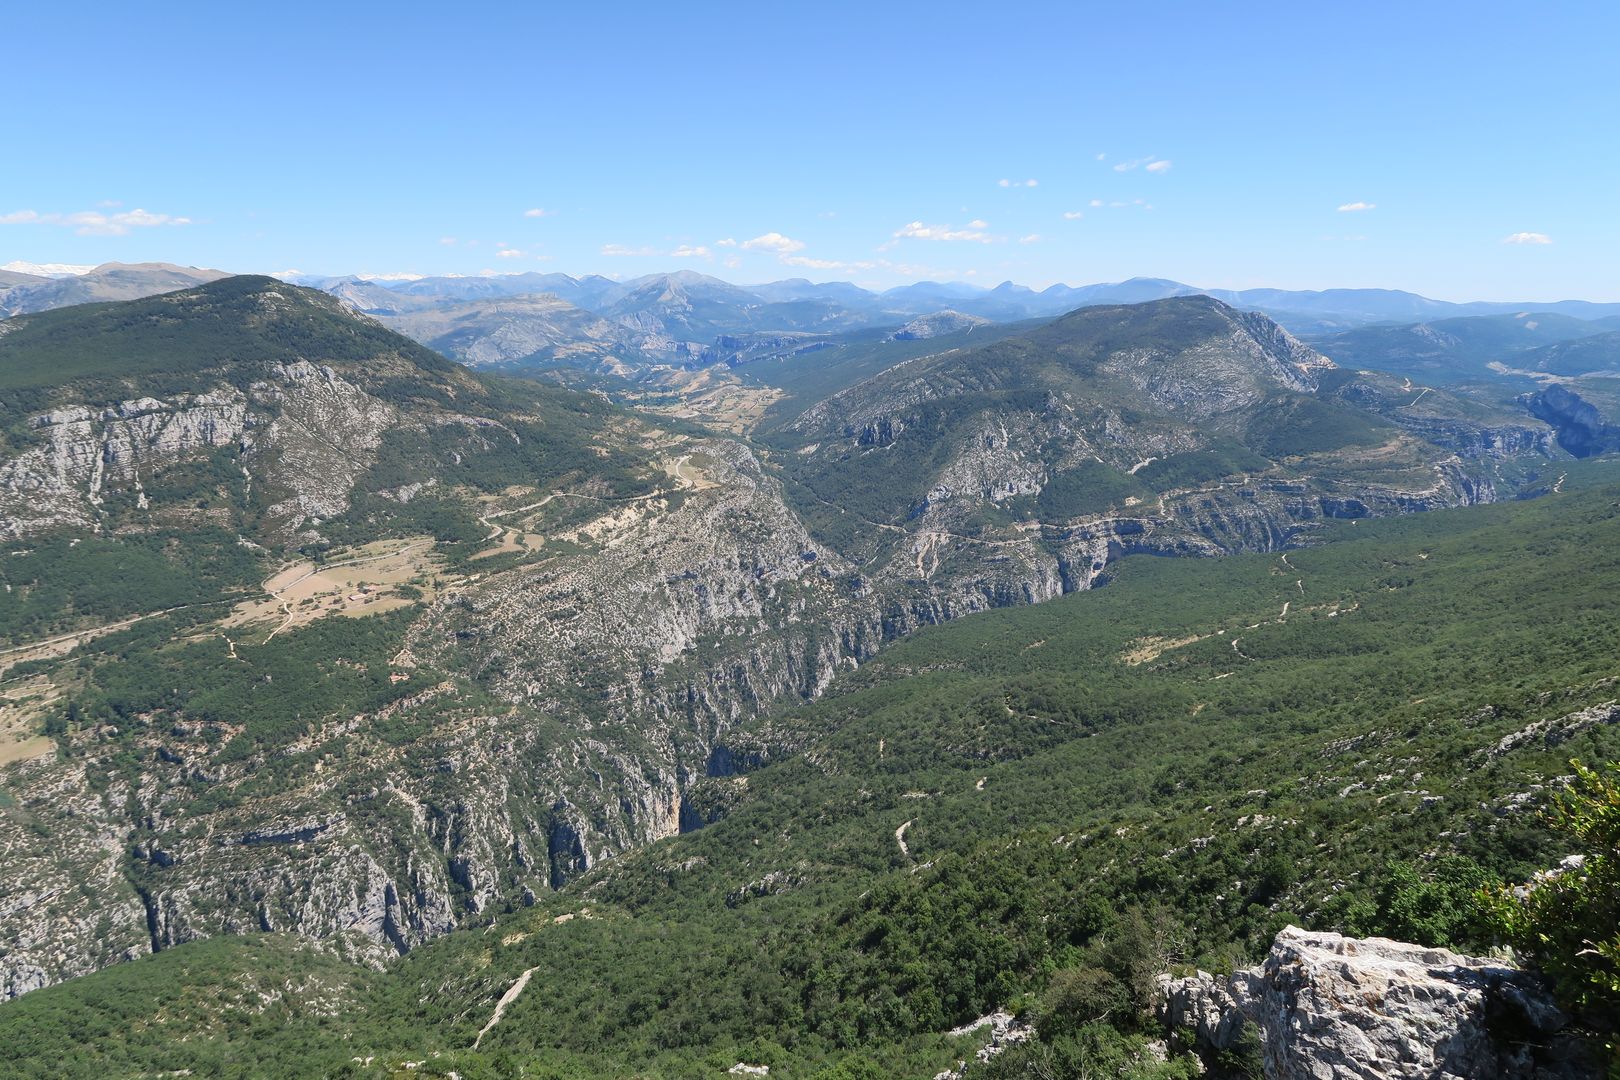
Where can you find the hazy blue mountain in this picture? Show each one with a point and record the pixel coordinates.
(110, 281)
(11, 278)
(843, 292)
(1452, 350)
(1312, 312)
(1582, 356)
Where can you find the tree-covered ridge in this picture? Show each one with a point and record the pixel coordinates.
(1177, 414)
(1030, 809)
(236, 323)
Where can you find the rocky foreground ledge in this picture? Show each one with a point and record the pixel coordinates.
(1330, 1007)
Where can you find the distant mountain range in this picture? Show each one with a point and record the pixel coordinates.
(707, 303)
(692, 320)
(22, 292)
(1309, 310)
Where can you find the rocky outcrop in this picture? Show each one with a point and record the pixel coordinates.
(79, 454)
(940, 322)
(1582, 430)
(303, 430)
(1329, 1006)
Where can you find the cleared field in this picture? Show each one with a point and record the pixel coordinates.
(23, 706)
(365, 582)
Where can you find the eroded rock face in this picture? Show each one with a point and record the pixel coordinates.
(303, 430)
(1582, 430)
(1330, 1006)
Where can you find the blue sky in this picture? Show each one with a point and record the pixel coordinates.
(1214, 143)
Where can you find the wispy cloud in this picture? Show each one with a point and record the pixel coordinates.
(1018, 183)
(1357, 207)
(727, 242)
(974, 231)
(685, 251)
(823, 264)
(774, 241)
(509, 253)
(1074, 215)
(1528, 238)
(1118, 204)
(1032, 238)
(538, 212)
(1150, 163)
(95, 222)
(448, 241)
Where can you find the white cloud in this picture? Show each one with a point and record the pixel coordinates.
(1074, 215)
(916, 230)
(1357, 207)
(1528, 238)
(537, 212)
(977, 224)
(620, 250)
(814, 264)
(1096, 203)
(509, 253)
(448, 241)
(1151, 163)
(774, 241)
(727, 242)
(733, 262)
(1102, 157)
(1018, 183)
(1032, 238)
(94, 222)
(687, 252)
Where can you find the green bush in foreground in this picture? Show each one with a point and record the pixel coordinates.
(1567, 922)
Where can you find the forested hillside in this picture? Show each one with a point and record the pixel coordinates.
(1035, 809)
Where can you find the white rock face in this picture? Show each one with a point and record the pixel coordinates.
(940, 322)
(303, 429)
(1331, 1007)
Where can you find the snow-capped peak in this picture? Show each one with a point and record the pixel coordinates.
(55, 270)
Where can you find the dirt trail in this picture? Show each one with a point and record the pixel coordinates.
(52, 646)
(900, 838)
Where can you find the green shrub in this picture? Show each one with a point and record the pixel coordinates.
(1567, 921)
